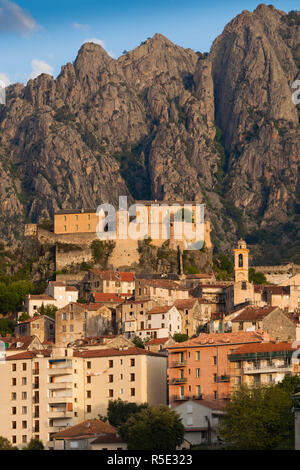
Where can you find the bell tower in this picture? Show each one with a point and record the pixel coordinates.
(241, 262)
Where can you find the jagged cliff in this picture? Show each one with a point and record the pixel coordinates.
(164, 122)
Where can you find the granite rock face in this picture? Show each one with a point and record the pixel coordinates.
(162, 122)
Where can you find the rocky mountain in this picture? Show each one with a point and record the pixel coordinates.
(166, 122)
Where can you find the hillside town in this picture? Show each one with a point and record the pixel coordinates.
(187, 341)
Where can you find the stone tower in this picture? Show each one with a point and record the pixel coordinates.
(241, 262)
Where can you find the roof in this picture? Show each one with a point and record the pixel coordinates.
(106, 297)
(217, 405)
(278, 290)
(159, 309)
(24, 341)
(264, 347)
(108, 438)
(71, 289)
(157, 341)
(41, 297)
(57, 283)
(28, 355)
(116, 352)
(162, 283)
(89, 428)
(122, 276)
(222, 339)
(185, 303)
(36, 318)
(199, 276)
(254, 313)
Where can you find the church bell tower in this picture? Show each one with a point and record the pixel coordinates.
(241, 254)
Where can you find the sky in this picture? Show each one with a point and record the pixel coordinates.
(39, 36)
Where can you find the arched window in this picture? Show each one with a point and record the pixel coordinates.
(240, 260)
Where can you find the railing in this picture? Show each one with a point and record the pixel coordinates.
(179, 380)
(223, 378)
(180, 398)
(178, 363)
(256, 369)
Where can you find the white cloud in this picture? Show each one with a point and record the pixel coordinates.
(84, 27)
(96, 41)
(39, 66)
(4, 79)
(14, 18)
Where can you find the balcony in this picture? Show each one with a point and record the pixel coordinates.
(178, 380)
(180, 398)
(60, 399)
(60, 385)
(223, 378)
(257, 369)
(56, 413)
(178, 363)
(60, 371)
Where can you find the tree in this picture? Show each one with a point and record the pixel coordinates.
(153, 428)
(223, 267)
(257, 277)
(138, 342)
(259, 418)
(7, 326)
(6, 445)
(34, 444)
(119, 411)
(180, 337)
(49, 310)
(24, 316)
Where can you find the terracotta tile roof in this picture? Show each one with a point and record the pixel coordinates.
(29, 355)
(71, 289)
(89, 428)
(264, 347)
(217, 405)
(114, 275)
(158, 341)
(116, 352)
(41, 297)
(258, 288)
(278, 290)
(128, 302)
(106, 297)
(24, 341)
(108, 439)
(162, 283)
(254, 314)
(159, 309)
(208, 339)
(185, 303)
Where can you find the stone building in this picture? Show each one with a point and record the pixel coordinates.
(107, 282)
(243, 289)
(41, 326)
(195, 314)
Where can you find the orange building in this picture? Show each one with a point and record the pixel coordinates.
(199, 368)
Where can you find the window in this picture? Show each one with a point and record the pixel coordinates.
(24, 410)
(14, 410)
(88, 408)
(14, 424)
(63, 316)
(89, 379)
(198, 390)
(244, 285)
(132, 362)
(198, 355)
(215, 395)
(197, 372)
(24, 424)
(215, 360)
(24, 366)
(132, 392)
(14, 367)
(14, 439)
(215, 377)
(14, 396)
(24, 381)
(64, 328)
(132, 377)
(89, 364)
(110, 393)
(110, 363)
(14, 381)
(71, 328)
(88, 394)
(121, 376)
(24, 395)
(110, 378)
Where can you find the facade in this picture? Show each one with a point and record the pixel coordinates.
(261, 364)
(201, 419)
(76, 321)
(41, 326)
(43, 392)
(199, 368)
(162, 291)
(195, 315)
(107, 282)
(243, 289)
(220, 296)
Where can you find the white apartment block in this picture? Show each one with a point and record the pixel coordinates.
(42, 392)
(57, 294)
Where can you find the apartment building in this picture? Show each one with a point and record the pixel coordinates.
(41, 326)
(76, 321)
(43, 392)
(261, 364)
(114, 282)
(199, 368)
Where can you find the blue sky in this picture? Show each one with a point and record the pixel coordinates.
(41, 35)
